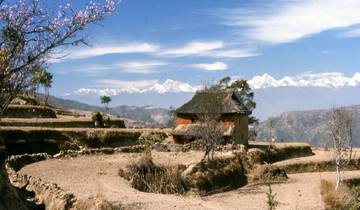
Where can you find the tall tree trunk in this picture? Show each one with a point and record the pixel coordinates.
(338, 173)
(350, 142)
(46, 96)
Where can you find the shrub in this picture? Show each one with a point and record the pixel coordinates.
(333, 199)
(148, 139)
(354, 202)
(98, 120)
(271, 201)
(268, 173)
(146, 176)
(217, 175)
(69, 145)
(256, 156)
(107, 122)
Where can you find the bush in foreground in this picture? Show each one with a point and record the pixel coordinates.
(217, 175)
(344, 198)
(146, 176)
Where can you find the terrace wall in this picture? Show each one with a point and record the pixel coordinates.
(57, 123)
(21, 140)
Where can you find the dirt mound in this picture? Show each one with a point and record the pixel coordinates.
(268, 173)
(219, 174)
(147, 176)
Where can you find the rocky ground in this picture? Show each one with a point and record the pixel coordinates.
(94, 177)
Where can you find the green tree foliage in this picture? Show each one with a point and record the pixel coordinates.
(46, 80)
(105, 100)
(243, 92)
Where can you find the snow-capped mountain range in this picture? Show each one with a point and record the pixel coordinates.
(328, 80)
(325, 80)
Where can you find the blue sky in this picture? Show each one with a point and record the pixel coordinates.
(147, 42)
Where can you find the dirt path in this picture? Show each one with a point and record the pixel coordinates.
(89, 177)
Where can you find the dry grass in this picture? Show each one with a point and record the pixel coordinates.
(333, 199)
(97, 204)
(268, 173)
(146, 176)
(217, 175)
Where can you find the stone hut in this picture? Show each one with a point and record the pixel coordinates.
(233, 118)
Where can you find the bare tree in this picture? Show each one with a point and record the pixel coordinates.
(349, 126)
(30, 33)
(340, 133)
(207, 126)
(271, 131)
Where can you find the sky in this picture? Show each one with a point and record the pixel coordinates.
(173, 45)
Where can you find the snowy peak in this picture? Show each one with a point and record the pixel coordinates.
(172, 86)
(169, 86)
(325, 80)
(328, 80)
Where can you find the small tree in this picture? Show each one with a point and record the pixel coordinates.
(271, 198)
(243, 92)
(208, 128)
(46, 79)
(105, 100)
(172, 118)
(339, 128)
(349, 127)
(271, 131)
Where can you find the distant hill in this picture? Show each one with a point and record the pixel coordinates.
(151, 116)
(306, 126)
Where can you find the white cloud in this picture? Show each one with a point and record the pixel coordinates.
(137, 84)
(142, 67)
(193, 48)
(308, 79)
(127, 48)
(351, 33)
(207, 49)
(288, 21)
(233, 53)
(217, 66)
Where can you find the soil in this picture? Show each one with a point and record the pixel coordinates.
(91, 177)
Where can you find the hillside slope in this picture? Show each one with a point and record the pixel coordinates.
(151, 116)
(307, 126)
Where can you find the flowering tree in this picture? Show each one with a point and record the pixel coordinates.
(30, 33)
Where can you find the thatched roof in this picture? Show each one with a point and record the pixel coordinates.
(228, 100)
(190, 130)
